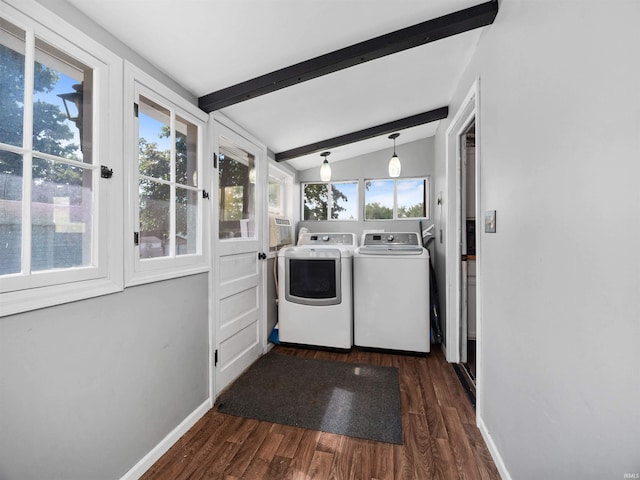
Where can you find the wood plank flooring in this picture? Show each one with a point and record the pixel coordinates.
(441, 440)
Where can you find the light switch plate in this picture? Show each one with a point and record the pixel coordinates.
(490, 221)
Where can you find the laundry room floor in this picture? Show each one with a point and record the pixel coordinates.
(441, 440)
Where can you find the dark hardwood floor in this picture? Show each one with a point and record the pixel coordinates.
(441, 440)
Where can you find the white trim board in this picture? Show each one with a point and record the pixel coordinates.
(167, 442)
(493, 450)
(466, 113)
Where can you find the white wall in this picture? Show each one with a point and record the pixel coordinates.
(418, 160)
(560, 323)
(66, 11)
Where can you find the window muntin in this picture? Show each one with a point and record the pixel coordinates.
(12, 88)
(166, 217)
(154, 181)
(48, 209)
(396, 199)
(330, 201)
(168, 201)
(57, 216)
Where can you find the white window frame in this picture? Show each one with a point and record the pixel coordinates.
(427, 199)
(329, 184)
(31, 290)
(139, 271)
(285, 179)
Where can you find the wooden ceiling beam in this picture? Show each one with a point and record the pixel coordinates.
(390, 43)
(371, 132)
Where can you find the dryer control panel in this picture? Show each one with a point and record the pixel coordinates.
(347, 239)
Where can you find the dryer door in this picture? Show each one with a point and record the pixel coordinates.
(312, 276)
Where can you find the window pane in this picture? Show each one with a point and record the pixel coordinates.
(154, 137)
(316, 200)
(155, 223)
(11, 83)
(275, 198)
(237, 197)
(61, 215)
(411, 198)
(186, 221)
(344, 199)
(10, 212)
(186, 153)
(232, 201)
(378, 200)
(62, 105)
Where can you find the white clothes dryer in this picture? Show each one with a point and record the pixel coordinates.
(391, 293)
(315, 290)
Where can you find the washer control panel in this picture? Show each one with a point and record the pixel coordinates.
(391, 239)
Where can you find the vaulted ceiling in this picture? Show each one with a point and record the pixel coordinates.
(210, 45)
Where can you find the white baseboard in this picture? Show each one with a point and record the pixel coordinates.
(165, 444)
(493, 450)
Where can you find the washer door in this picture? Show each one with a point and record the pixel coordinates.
(312, 276)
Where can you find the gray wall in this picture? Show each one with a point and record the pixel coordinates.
(559, 380)
(272, 308)
(417, 158)
(89, 388)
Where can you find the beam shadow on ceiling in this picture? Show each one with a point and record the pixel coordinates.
(408, 122)
(390, 43)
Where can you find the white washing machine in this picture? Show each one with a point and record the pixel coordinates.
(315, 290)
(391, 293)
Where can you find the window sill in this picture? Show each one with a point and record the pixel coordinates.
(12, 303)
(141, 278)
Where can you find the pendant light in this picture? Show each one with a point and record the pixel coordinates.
(325, 169)
(394, 163)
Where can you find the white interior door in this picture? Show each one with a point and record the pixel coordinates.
(238, 259)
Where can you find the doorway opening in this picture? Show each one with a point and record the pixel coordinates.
(468, 335)
(463, 245)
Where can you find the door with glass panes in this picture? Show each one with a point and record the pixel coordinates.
(238, 257)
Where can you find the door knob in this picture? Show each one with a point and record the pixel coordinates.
(262, 255)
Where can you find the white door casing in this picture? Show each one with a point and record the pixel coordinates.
(455, 292)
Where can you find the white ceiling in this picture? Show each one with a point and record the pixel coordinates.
(207, 45)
